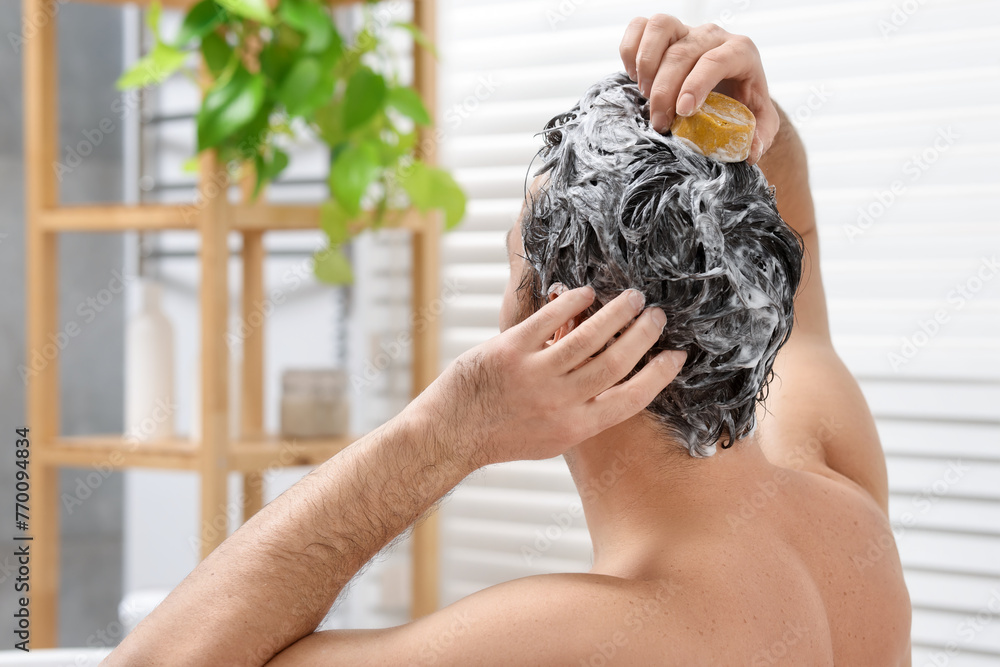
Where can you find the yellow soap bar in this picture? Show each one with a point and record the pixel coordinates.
(722, 128)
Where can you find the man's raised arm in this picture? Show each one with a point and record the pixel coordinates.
(814, 397)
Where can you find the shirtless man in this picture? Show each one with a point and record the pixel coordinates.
(757, 554)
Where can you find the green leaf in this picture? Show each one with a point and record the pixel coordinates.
(418, 36)
(364, 96)
(229, 107)
(451, 198)
(280, 52)
(202, 19)
(216, 52)
(393, 145)
(329, 120)
(310, 19)
(267, 170)
(153, 68)
(255, 10)
(153, 17)
(333, 219)
(305, 87)
(331, 55)
(407, 102)
(332, 266)
(365, 42)
(353, 170)
(432, 188)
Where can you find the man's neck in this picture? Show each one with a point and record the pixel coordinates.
(643, 494)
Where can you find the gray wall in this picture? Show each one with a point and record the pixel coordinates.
(90, 60)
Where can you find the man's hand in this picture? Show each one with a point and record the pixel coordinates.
(520, 396)
(677, 66)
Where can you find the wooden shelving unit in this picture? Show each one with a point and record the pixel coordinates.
(213, 219)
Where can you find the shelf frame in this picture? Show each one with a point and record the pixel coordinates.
(217, 453)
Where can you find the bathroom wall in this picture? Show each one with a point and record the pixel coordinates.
(91, 396)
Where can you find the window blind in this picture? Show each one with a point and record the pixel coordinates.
(891, 99)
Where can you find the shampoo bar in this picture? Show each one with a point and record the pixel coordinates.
(721, 128)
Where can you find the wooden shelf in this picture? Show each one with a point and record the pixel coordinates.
(271, 217)
(254, 455)
(212, 219)
(180, 4)
(118, 453)
(159, 217)
(119, 218)
(245, 455)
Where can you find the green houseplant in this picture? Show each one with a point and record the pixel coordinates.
(289, 71)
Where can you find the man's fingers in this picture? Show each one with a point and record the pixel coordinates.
(659, 33)
(611, 365)
(589, 337)
(630, 44)
(734, 58)
(534, 331)
(768, 123)
(674, 68)
(629, 398)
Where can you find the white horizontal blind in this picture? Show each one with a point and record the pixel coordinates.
(896, 102)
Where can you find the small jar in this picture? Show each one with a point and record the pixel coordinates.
(314, 403)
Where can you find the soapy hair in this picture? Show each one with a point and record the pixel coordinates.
(626, 207)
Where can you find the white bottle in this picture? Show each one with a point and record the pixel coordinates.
(149, 370)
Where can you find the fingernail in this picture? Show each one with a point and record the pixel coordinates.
(659, 122)
(677, 358)
(637, 299)
(685, 105)
(642, 88)
(659, 318)
(756, 150)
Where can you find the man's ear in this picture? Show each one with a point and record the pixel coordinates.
(561, 332)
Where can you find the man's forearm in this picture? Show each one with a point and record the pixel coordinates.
(272, 582)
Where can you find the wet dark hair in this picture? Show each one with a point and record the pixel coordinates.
(625, 206)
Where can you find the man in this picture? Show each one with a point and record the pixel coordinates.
(725, 540)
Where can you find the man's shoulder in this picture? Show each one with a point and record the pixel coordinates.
(571, 619)
(692, 614)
